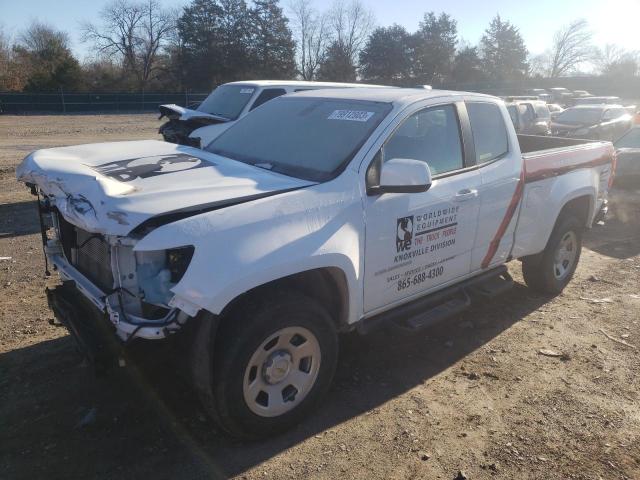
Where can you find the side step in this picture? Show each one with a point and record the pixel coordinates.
(493, 286)
(441, 305)
(447, 309)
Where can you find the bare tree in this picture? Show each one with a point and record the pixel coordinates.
(608, 56)
(351, 23)
(134, 31)
(615, 59)
(311, 32)
(39, 37)
(571, 47)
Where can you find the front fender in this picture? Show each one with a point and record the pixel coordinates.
(245, 246)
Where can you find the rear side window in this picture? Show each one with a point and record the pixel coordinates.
(489, 131)
(266, 95)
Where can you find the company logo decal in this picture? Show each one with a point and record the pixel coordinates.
(404, 233)
(133, 169)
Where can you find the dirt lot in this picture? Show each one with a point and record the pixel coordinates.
(473, 395)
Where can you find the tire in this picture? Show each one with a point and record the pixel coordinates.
(545, 272)
(260, 388)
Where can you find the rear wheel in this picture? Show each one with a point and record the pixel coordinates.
(274, 361)
(551, 270)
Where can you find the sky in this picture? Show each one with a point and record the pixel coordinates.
(612, 21)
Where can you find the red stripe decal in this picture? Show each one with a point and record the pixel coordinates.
(511, 209)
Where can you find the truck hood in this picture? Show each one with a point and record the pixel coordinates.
(176, 112)
(112, 188)
(209, 133)
(568, 127)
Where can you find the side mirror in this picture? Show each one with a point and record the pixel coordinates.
(403, 175)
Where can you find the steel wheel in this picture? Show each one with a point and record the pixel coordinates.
(565, 255)
(281, 372)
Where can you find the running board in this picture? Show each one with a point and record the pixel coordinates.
(447, 309)
(442, 305)
(492, 287)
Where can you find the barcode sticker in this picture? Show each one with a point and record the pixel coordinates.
(246, 90)
(351, 115)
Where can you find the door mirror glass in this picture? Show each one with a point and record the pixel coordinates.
(404, 175)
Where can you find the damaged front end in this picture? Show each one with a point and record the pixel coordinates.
(182, 121)
(130, 290)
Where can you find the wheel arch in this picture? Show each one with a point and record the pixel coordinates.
(581, 206)
(327, 285)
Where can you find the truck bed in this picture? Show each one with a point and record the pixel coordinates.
(546, 157)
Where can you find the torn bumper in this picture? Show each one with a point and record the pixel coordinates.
(93, 334)
(125, 326)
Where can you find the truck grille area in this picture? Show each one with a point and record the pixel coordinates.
(87, 252)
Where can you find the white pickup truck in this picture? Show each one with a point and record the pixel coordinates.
(227, 104)
(320, 212)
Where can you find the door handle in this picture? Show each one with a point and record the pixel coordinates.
(465, 194)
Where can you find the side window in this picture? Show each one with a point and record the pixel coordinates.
(489, 132)
(431, 135)
(617, 112)
(542, 111)
(528, 114)
(266, 95)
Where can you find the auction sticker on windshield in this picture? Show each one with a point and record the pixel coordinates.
(351, 115)
(246, 90)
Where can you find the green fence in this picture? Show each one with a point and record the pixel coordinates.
(93, 102)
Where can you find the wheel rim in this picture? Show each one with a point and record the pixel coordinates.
(281, 372)
(565, 255)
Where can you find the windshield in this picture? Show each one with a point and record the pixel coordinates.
(630, 140)
(584, 116)
(227, 101)
(309, 138)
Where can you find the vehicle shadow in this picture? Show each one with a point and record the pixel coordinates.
(60, 421)
(19, 218)
(622, 239)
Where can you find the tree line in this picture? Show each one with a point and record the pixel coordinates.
(141, 45)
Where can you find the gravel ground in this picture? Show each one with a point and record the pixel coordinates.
(473, 395)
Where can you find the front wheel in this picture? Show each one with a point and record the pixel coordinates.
(274, 360)
(551, 270)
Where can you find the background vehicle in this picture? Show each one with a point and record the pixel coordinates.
(598, 122)
(628, 156)
(530, 117)
(347, 210)
(560, 95)
(554, 109)
(225, 105)
(596, 101)
(540, 93)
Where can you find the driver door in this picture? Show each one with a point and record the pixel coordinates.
(417, 242)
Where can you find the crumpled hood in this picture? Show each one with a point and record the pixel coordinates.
(176, 112)
(112, 188)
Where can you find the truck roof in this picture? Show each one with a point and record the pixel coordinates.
(302, 84)
(593, 106)
(400, 96)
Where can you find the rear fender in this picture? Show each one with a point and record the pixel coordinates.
(543, 202)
